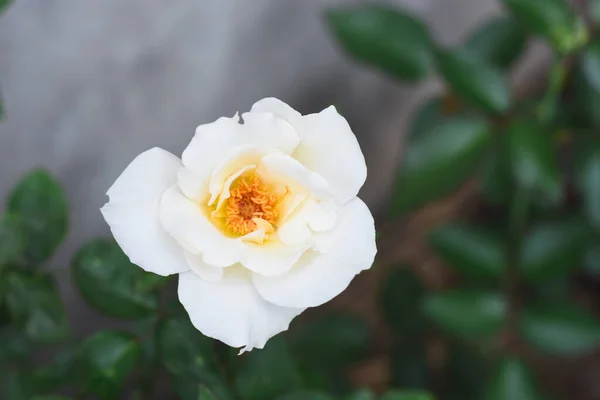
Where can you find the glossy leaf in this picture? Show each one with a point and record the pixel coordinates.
(384, 37)
(470, 314)
(407, 395)
(533, 162)
(410, 367)
(40, 203)
(560, 328)
(499, 41)
(554, 20)
(109, 282)
(588, 178)
(108, 358)
(438, 162)
(553, 249)
(400, 298)
(424, 120)
(471, 251)
(306, 395)
(12, 239)
(512, 380)
(35, 305)
(334, 340)
(474, 81)
(268, 373)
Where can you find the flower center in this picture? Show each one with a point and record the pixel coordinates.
(249, 200)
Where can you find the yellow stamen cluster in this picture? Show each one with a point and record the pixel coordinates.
(251, 198)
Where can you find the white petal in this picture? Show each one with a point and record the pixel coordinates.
(308, 217)
(317, 278)
(330, 148)
(132, 212)
(270, 131)
(278, 167)
(187, 223)
(279, 109)
(231, 311)
(273, 258)
(202, 269)
(192, 184)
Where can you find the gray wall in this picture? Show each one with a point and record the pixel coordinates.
(90, 84)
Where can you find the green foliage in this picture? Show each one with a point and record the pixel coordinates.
(35, 306)
(439, 161)
(477, 83)
(110, 283)
(410, 366)
(466, 373)
(469, 314)
(40, 204)
(472, 251)
(363, 394)
(306, 395)
(551, 19)
(499, 42)
(512, 381)
(400, 298)
(587, 178)
(560, 328)
(108, 357)
(12, 240)
(384, 37)
(406, 395)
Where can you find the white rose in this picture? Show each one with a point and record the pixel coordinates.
(260, 219)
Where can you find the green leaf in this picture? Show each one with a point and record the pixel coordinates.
(384, 37)
(306, 395)
(591, 261)
(39, 201)
(12, 239)
(474, 81)
(587, 162)
(587, 104)
(560, 328)
(553, 249)
(3, 5)
(109, 282)
(205, 394)
(333, 341)
(16, 347)
(52, 397)
(410, 367)
(362, 394)
(473, 252)
(499, 42)
(407, 395)
(466, 373)
(35, 305)
(533, 161)
(438, 162)
(184, 350)
(61, 371)
(425, 118)
(512, 380)
(188, 388)
(15, 385)
(554, 20)
(400, 298)
(495, 178)
(469, 314)
(590, 65)
(267, 373)
(108, 358)
(594, 10)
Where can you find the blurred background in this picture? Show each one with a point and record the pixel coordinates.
(88, 85)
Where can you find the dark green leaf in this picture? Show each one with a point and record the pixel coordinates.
(425, 118)
(471, 251)
(267, 373)
(58, 373)
(553, 249)
(363, 394)
(468, 314)
(15, 385)
(400, 298)
(499, 42)
(533, 160)
(35, 305)
(384, 37)
(591, 261)
(590, 65)
(306, 395)
(148, 282)
(51, 397)
(512, 381)
(588, 178)
(554, 20)
(438, 162)
(560, 328)
(476, 82)
(3, 5)
(406, 395)
(109, 282)
(466, 373)
(39, 201)
(108, 358)
(16, 347)
(205, 394)
(188, 388)
(410, 367)
(332, 341)
(12, 239)
(184, 350)
(495, 175)
(586, 108)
